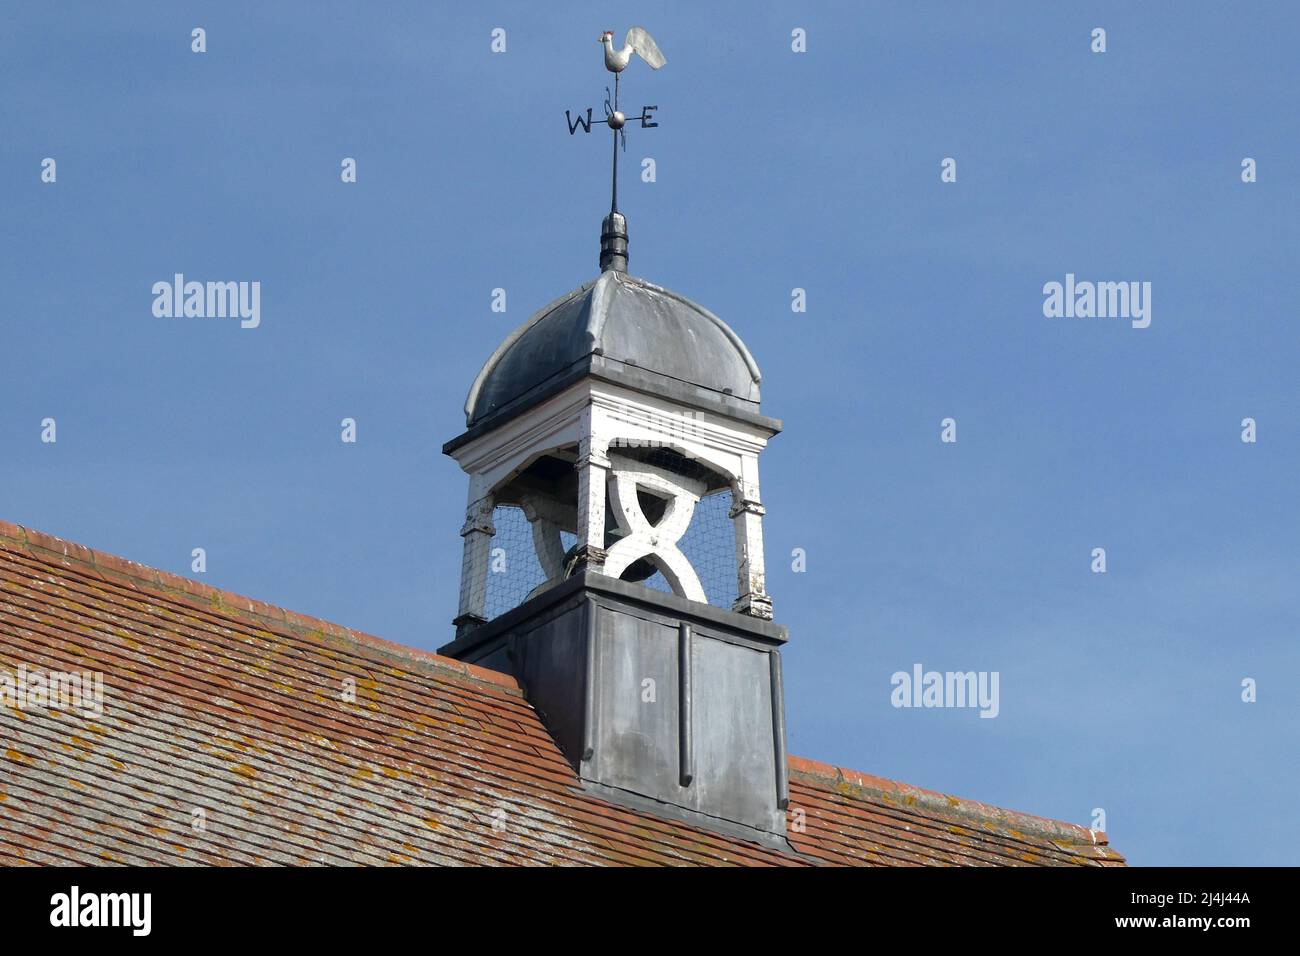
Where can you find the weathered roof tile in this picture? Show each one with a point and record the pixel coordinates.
(227, 738)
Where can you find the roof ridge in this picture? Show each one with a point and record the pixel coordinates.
(43, 546)
(932, 799)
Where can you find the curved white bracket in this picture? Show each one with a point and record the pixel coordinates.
(548, 518)
(655, 543)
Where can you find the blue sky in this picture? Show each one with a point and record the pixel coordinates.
(775, 170)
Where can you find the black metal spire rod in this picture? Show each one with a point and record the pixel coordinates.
(613, 201)
(613, 231)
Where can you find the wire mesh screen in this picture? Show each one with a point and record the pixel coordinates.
(709, 542)
(513, 569)
(710, 545)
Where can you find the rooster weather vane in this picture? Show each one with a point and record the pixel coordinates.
(641, 43)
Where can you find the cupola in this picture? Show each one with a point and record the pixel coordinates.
(613, 547)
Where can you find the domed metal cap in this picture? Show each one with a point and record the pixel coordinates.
(621, 329)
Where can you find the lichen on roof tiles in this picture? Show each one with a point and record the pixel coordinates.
(225, 739)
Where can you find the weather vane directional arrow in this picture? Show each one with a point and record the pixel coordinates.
(638, 41)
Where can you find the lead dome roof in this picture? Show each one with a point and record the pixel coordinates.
(625, 329)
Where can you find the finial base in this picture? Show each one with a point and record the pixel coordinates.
(613, 243)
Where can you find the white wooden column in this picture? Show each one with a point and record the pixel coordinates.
(477, 532)
(747, 517)
(593, 477)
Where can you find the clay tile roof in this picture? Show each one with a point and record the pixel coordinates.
(225, 705)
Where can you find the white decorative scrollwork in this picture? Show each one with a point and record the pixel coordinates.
(655, 543)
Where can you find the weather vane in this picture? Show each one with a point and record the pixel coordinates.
(638, 41)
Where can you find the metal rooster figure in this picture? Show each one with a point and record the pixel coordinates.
(641, 43)
(638, 42)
